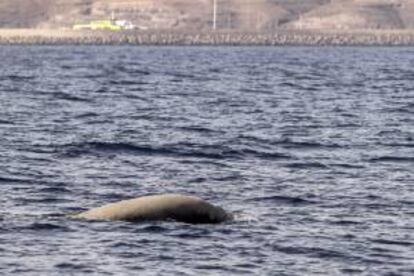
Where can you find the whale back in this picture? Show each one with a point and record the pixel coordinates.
(176, 207)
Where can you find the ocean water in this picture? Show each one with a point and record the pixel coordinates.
(312, 150)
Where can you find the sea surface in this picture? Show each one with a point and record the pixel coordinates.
(312, 150)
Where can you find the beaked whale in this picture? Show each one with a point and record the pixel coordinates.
(176, 207)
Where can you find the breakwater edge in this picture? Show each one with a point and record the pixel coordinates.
(280, 38)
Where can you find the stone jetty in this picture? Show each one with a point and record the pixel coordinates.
(277, 38)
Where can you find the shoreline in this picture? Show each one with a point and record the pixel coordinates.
(219, 38)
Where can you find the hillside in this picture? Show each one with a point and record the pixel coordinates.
(263, 15)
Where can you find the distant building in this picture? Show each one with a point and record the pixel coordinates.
(110, 25)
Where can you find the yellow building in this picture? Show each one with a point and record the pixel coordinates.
(109, 25)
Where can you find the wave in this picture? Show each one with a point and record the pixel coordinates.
(174, 150)
(314, 252)
(12, 180)
(290, 144)
(393, 242)
(256, 91)
(154, 228)
(397, 159)
(306, 165)
(38, 226)
(284, 200)
(347, 166)
(131, 70)
(4, 122)
(86, 115)
(41, 199)
(265, 154)
(407, 109)
(345, 222)
(68, 97)
(55, 190)
(181, 75)
(199, 129)
(71, 266)
(18, 78)
(88, 148)
(127, 82)
(405, 145)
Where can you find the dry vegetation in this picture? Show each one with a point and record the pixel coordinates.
(263, 15)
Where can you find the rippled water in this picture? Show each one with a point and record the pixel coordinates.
(311, 148)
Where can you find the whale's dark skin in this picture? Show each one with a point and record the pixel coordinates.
(176, 207)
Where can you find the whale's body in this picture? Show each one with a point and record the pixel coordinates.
(175, 207)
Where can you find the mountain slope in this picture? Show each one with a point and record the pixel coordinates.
(261, 15)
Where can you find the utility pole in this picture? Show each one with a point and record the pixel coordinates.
(214, 14)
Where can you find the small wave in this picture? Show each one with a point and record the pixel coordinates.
(175, 150)
(4, 122)
(408, 110)
(215, 163)
(140, 72)
(12, 180)
(18, 78)
(55, 190)
(136, 96)
(347, 166)
(306, 165)
(127, 82)
(397, 159)
(407, 202)
(91, 147)
(289, 84)
(393, 242)
(215, 70)
(345, 222)
(265, 154)
(68, 97)
(256, 91)
(190, 234)
(199, 129)
(181, 75)
(46, 226)
(31, 201)
(290, 144)
(210, 267)
(197, 180)
(348, 125)
(228, 178)
(319, 253)
(154, 229)
(351, 271)
(102, 89)
(395, 133)
(404, 145)
(283, 199)
(86, 115)
(254, 139)
(131, 70)
(74, 267)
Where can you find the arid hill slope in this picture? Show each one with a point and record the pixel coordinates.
(193, 15)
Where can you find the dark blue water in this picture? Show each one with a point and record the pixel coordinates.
(311, 148)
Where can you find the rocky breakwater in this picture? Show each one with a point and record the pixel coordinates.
(281, 37)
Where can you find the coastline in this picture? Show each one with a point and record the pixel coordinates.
(230, 38)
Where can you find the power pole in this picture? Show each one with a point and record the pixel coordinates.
(214, 14)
